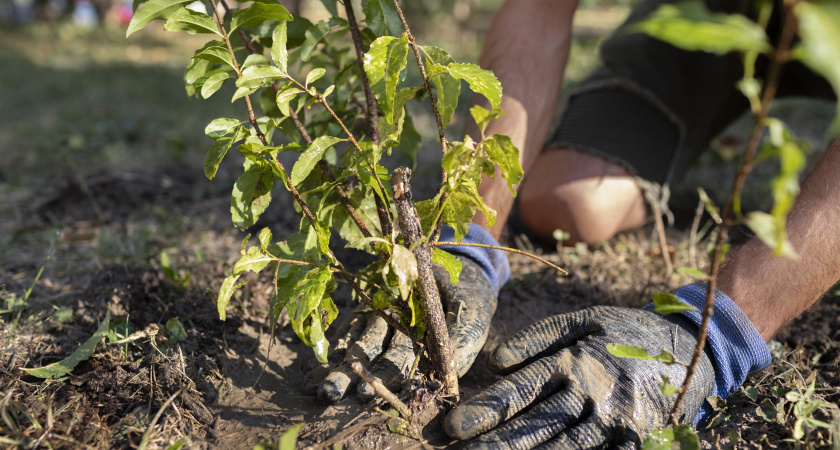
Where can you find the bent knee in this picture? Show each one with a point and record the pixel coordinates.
(590, 209)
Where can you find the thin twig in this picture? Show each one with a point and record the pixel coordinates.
(692, 237)
(771, 87)
(370, 112)
(148, 434)
(381, 389)
(150, 331)
(506, 249)
(663, 240)
(426, 81)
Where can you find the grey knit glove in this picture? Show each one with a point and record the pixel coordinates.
(469, 307)
(574, 393)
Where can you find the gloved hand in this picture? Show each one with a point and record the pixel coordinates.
(582, 396)
(469, 307)
(579, 395)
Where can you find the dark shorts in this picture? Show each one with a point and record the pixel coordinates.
(653, 108)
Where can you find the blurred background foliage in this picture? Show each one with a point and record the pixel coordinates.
(80, 97)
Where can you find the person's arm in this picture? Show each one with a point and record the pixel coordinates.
(526, 47)
(772, 291)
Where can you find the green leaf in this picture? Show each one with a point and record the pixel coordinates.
(265, 238)
(220, 128)
(255, 60)
(219, 150)
(668, 389)
(331, 6)
(458, 213)
(153, 10)
(766, 410)
(288, 278)
(390, 134)
(382, 18)
(175, 330)
(196, 69)
(288, 440)
(307, 160)
(309, 293)
(481, 81)
(819, 30)
(666, 303)
(170, 272)
(691, 26)
(447, 88)
(258, 13)
(256, 76)
(242, 92)
(631, 351)
(404, 265)
(771, 232)
(215, 52)
(251, 194)
(693, 273)
(751, 392)
(449, 262)
(383, 64)
(314, 75)
(713, 210)
(229, 286)
(284, 97)
(501, 151)
(314, 35)
(213, 84)
(279, 53)
(66, 365)
(665, 438)
(318, 342)
(254, 260)
(192, 22)
(484, 116)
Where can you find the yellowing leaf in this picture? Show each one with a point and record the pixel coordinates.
(69, 363)
(666, 303)
(481, 81)
(404, 265)
(449, 262)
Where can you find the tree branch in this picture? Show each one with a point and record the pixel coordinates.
(771, 87)
(444, 145)
(497, 247)
(371, 114)
(437, 335)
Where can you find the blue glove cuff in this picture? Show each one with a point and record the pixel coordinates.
(493, 262)
(737, 347)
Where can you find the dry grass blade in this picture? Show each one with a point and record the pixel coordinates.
(148, 434)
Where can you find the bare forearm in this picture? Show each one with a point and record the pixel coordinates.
(526, 47)
(772, 291)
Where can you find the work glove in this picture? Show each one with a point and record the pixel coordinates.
(469, 306)
(575, 394)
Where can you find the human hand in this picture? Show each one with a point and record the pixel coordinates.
(576, 393)
(469, 307)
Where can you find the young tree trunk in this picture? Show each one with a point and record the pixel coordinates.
(437, 336)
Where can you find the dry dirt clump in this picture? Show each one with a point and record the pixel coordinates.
(214, 384)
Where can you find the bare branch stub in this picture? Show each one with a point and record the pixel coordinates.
(437, 336)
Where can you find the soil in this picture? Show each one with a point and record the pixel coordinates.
(228, 384)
